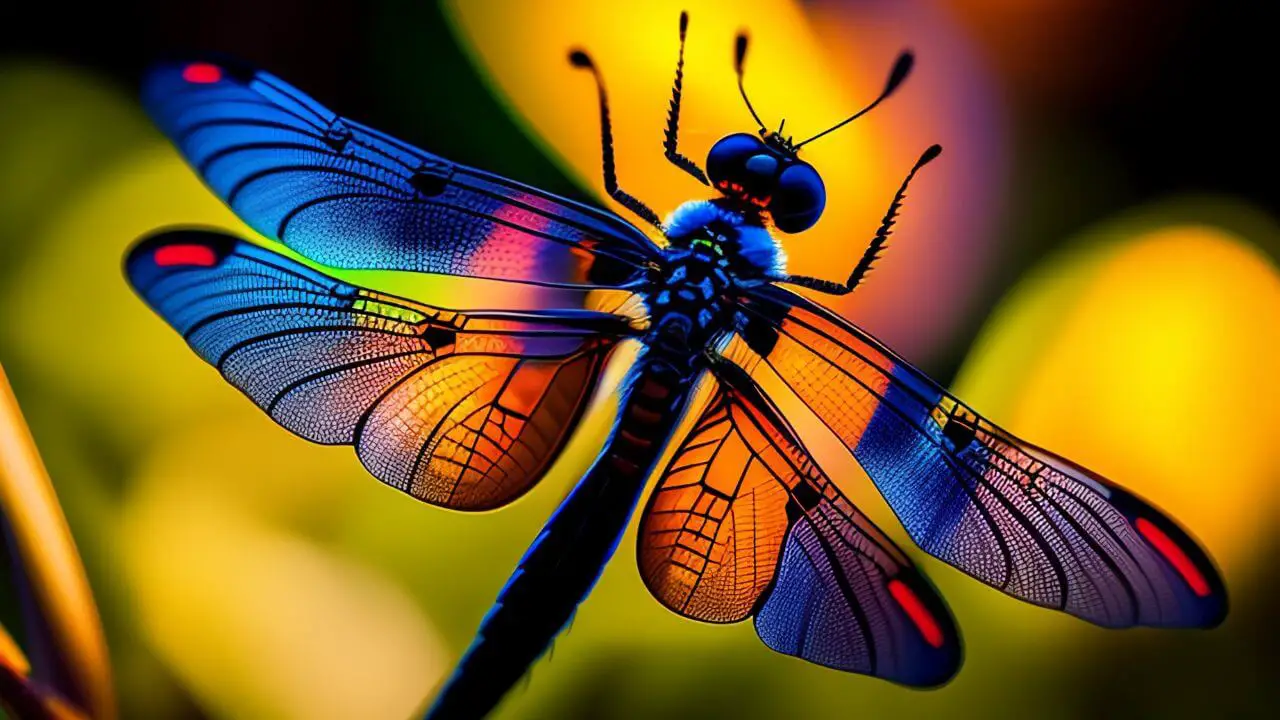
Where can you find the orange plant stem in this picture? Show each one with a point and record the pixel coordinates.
(49, 557)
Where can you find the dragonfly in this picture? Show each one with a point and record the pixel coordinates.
(467, 408)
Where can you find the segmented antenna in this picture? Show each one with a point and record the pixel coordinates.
(739, 56)
(901, 68)
(881, 238)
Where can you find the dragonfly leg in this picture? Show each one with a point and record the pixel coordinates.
(878, 242)
(581, 60)
(671, 137)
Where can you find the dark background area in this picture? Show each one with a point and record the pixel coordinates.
(1180, 96)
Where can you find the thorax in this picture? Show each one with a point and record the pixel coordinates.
(713, 254)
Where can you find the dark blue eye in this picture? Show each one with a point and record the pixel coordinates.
(764, 166)
(727, 161)
(798, 200)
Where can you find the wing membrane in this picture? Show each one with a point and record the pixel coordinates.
(744, 523)
(346, 195)
(969, 493)
(462, 410)
(714, 527)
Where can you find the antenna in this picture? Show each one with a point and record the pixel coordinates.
(739, 55)
(901, 68)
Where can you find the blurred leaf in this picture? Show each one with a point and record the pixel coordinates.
(256, 619)
(11, 655)
(65, 634)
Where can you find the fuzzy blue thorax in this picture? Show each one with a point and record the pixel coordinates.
(753, 244)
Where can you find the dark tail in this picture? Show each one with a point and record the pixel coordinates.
(567, 557)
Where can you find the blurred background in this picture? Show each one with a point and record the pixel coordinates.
(1092, 263)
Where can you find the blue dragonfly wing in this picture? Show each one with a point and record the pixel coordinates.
(345, 195)
(462, 410)
(743, 523)
(1015, 516)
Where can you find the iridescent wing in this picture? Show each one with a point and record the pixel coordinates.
(1006, 512)
(461, 410)
(348, 196)
(744, 523)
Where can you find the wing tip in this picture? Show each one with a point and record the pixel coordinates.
(926, 650)
(168, 75)
(1204, 600)
(941, 652)
(201, 69)
(937, 677)
(170, 249)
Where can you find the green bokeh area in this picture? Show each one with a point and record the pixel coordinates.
(69, 137)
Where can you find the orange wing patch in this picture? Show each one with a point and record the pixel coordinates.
(714, 527)
(713, 531)
(475, 432)
(837, 376)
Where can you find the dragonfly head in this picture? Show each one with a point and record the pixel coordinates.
(766, 171)
(763, 173)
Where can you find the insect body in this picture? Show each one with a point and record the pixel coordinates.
(467, 408)
(691, 305)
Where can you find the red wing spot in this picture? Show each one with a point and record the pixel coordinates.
(1171, 552)
(917, 612)
(202, 73)
(199, 255)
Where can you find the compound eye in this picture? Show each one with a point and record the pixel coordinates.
(763, 166)
(727, 161)
(798, 200)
